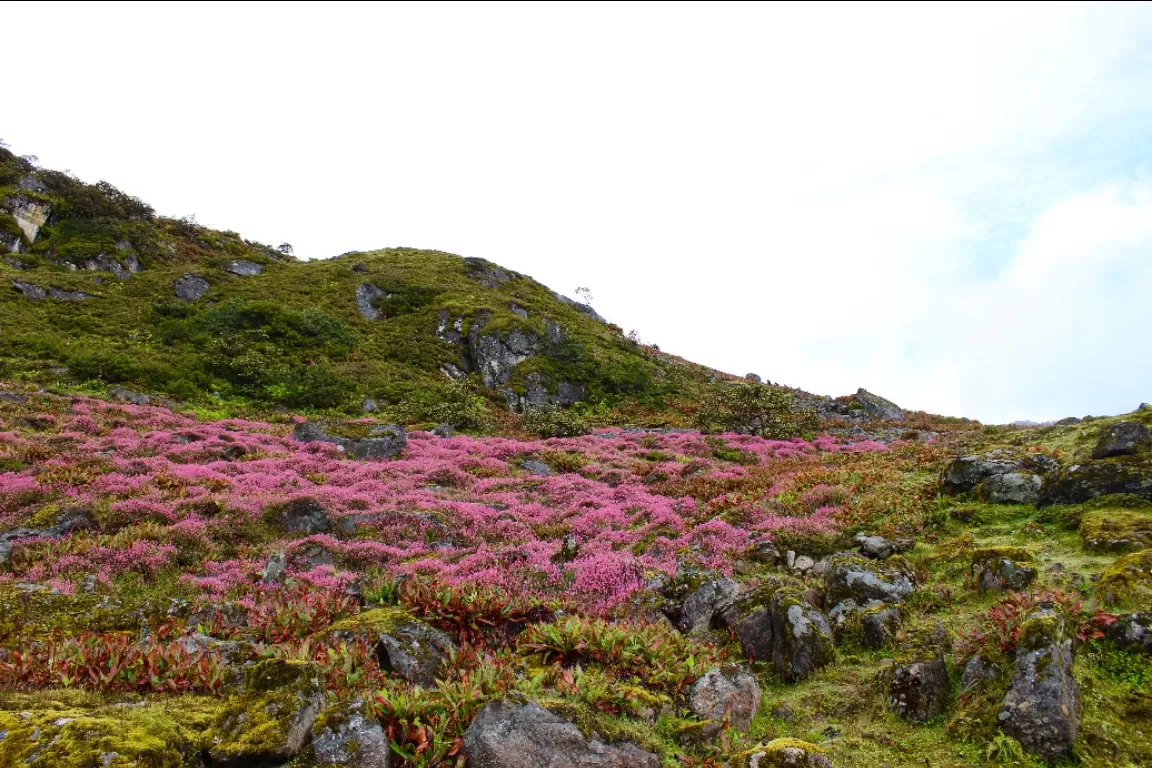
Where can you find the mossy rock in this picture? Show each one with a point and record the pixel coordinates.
(1128, 581)
(995, 554)
(373, 621)
(1116, 530)
(68, 729)
(1079, 483)
(783, 753)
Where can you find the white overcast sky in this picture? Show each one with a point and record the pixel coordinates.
(950, 205)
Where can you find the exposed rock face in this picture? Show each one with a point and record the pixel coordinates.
(862, 580)
(30, 214)
(495, 354)
(801, 637)
(1132, 632)
(754, 631)
(1042, 708)
(244, 268)
(68, 520)
(414, 651)
(272, 719)
(585, 308)
(879, 626)
(976, 672)
(369, 405)
(345, 736)
(1082, 482)
(701, 610)
(383, 441)
(30, 291)
(877, 407)
(486, 273)
(507, 735)
(918, 690)
(366, 293)
(62, 295)
(1001, 569)
(1122, 439)
(1012, 488)
(121, 269)
(880, 548)
(725, 693)
(303, 516)
(190, 287)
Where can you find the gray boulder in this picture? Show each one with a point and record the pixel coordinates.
(369, 405)
(190, 287)
(801, 637)
(347, 737)
(1002, 569)
(443, 431)
(1012, 488)
(30, 291)
(62, 295)
(366, 294)
(302, 516)
(274, 568)
(414, 651)
(486, 273)
(877, 407)
(704, 606)
(880, 548)
(5, 555)
(918, 690)
(509, 735)
(1122, 439)
(966, 472)
(495, 355)
(976, 672)
(1078, 483)
(1042, 707)
(849, 576)
(383, 441)
(1132, 632)
(727, 693)
(878, 627)
(244, 268)
(534, 467)
(754, 631)
(129, 396)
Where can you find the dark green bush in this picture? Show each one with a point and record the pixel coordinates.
(550, 421)
(756, 409)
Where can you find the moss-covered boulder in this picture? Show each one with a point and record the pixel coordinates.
(918, 691)
(1116, 530)
(1078, 483)
(1128, 580)
(372, 441)
(1042, 707)
(347, 736)
(1132, 632)
(72, 729)
(272, 717)
(1122, 439)
(726, 694)
(404, 645)
(1000, 569)
(860, 579)
(784, 753)
(801, 637)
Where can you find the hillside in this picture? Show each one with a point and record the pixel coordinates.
(264, 513)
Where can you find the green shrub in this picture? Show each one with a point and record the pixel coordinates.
(462, 407)
(550, 421)
(753, 408)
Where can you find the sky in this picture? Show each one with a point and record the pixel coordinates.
(947, 204)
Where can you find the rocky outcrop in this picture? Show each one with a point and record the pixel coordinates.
(122, 267)
(190, 287)
(852, 577)
(302, 516)
(366, 297)
(414, 651)
(880, 548)
(509, 735)
(1042, 707)
(1132, 632)
(999, 477)
(486, 273)
(30, 214)
(727, 694)
(66, 521)
(1011, 488)
(1002, 569)
(877, 408)
(801, 637)
(380, 441)
(918, 690)
(1116, 530)
(1123, 439)
(702, 608)
(347, 736)
(579, 306)
(244, 268)
(495, 355)
(879, 625)
(788, 753)
(1078, 483)
(30, 291)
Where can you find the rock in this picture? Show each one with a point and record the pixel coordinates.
(274, 569)
(444, 430)
(1042, 707)
(727, 693)
(965, 473)
(105, 263)
(495, 355)
(244, 268)
(509, 735)
(918, 690)
(129, 396)
(5, 555)
(579, 306)
(976, 672)
(383, 441)
(789, 753)
(701, 610)
(1067, 422)
(803, 564)
(850, 576)
(12, 397)
(1011, 488)
(271, 719)
(1128, 579)
(414, 651)
(1122, 439)
(752, 377)
(801, 637)
(880, 548)
(569, 550)
(879, 625)
(366, 295)
(1078, 483)
(63, 295)
(369, 405)
(1002, 569)
(754, 630)
(518, 310)
(1132, 632)
(190, 287)
(1116, 530)
(877, 408)
(302, 516)
(30, 291)
(536, 468)
(765, 552)
(30, 214)
(345, 735)
(66, 521)
(486, 273)
(218, 616)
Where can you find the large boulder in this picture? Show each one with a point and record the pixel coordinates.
(1011, 488)
(1002, 569)
(347, 736)
(862, 580)
(918, 689)
(787, 753)
(801, 637)
(1116, 530)
(190, 287)
(880, 548)
(727, 693)
(403, 645)
(379, 441)
(1122, 439)
(1078, 483)
(271, 719)
(302, 516)
(1128, 579)
(509, 735)
(244, 268)
(1042, 707)
(877, 407)
(977, 472)
(1132, 632)
(696, 603)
